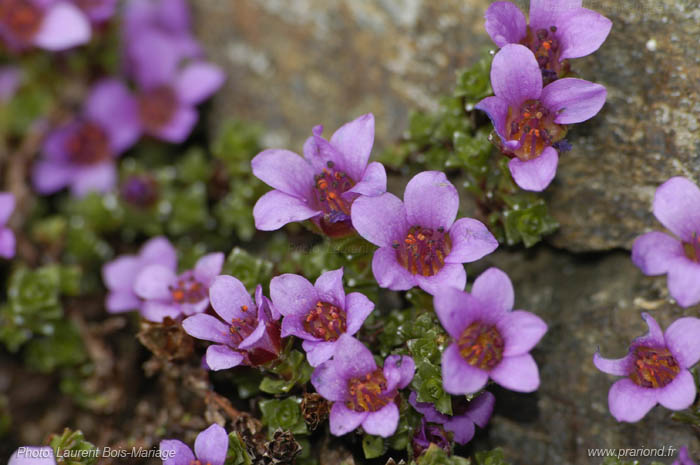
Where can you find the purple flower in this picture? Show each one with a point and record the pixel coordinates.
(420, 243)
(168, 18)
(362, 393)
(656, 370)
(655, 253)
(323, 184)
(478, 412)
(81, 154)
(10, 80)
(169, 90)
(489, 339)
(429, 434)
(119, 275)
(558, 30)
(33, 456)
(210, 448)
(7, 237)
(683, 458)
(98, 11)
(49, 24)
(318, 313)
(248, 333)
(529, 119)
(167, 294)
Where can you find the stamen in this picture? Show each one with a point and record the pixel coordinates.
(325, 321)
(423, 250)
(367, 393)
(534, 127)
(654, 367)
(481, 346)
(188, 290)
(157, 107)
(87, 145)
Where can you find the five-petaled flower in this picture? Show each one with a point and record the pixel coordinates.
(362, 393)
(245, 333)
(120, 274)
(168, 88)
(530, 119)
(676, 207)
(655, 370)
(558, 30)
(488, 339)
(167, 294)
(420, 243)
(210, 448)
(49, 24)
(7, 237)
(477, 412)
(319, 313)
(322, 185)
(81, 154)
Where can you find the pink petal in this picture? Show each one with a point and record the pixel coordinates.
(573, 100)
(536, 174)
(655, 252)
(675, 206)
(383, 422)
(431, 201)
(505, 23)
(494, 288)
(515, 75)
(64, 26)
(518, 373)
(458, 377)
(629, 402)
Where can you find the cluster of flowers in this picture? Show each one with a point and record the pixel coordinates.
(420, 244)
(535, 97)
(163, 77)
(656, 369)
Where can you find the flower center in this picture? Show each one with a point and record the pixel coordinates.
(654, 367)
(21, 17)
(241, 328)
(692, 248)
(534, 127)
(199, 462)
(87, 145)
(547, 49)
(325, 321)
(423, 251)
(481, 346)
(140, 190)
(366, 393)
(188, 290)
(329, 187)
(157, 107)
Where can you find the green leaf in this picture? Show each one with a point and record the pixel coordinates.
(436, 456)
(63, 348)
(284, 414)
(74, 448)
(237, 453)
(250, 270)
(492, 457)
(291, 369)
(373, 446)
